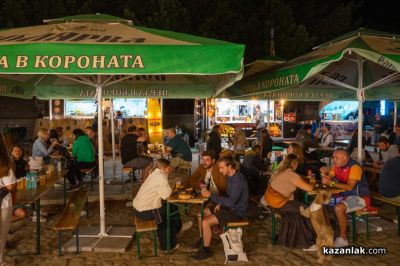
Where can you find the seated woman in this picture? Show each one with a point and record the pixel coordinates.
(84, 153)
(297, 150)
(40, 147)
(21, 168)
(149, 204)
(296, 230)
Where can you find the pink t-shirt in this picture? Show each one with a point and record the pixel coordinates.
(283, 182)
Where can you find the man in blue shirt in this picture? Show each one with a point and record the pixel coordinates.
(227, 208)
(389, 180)
(179, 149)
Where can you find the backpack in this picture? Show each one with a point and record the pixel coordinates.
(233, 245)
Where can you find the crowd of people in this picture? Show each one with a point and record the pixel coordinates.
(226, 179)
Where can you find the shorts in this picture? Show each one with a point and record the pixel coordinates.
(225, 216)
(354, 203)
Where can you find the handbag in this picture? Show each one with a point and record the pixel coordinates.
(274, 198)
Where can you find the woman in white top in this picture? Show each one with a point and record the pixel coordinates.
(149, 203)
(7, 181)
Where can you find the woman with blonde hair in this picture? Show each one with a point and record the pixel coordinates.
(296, 230)
(39, 148)
(150, 204)
(296, 149)
(7, 183)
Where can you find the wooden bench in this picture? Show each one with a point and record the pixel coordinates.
(70, 216)
(89, 172)
(379, 197)
(355, 216)
(236, 224)
(144, 226)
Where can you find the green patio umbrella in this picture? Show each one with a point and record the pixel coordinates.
(104, 56)
(363, 64)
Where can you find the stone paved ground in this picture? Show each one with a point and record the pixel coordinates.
(256, 239)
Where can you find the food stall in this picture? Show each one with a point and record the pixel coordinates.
(233, 113)
(341, 116)
(72, 114)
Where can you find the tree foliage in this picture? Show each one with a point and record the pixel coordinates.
(298, 25)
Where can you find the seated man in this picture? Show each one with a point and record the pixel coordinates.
(386, 152)
(251, 167)
(227, 208)
(349, 176)
(129, 153)
(395, 136)
(389, 181)
(326, 137)
(208, 175)
(179, 149)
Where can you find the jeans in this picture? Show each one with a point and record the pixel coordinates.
(175, 225)
(74, 172)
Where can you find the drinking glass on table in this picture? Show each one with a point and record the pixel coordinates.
(178, 183)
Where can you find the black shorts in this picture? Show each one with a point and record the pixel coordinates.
(225, 216)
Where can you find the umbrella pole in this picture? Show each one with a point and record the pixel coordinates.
(113, 136)
(360, 107)
(268, 111)
(101, 158)
(51, 111)
(394, 114)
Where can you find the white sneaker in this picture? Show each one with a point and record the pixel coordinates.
(186, 226)
(42, 219)
(311, 248)
(395, 221)
(83, 213)
(340, 242)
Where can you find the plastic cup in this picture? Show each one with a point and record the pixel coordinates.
(42, 180)
(20, 184)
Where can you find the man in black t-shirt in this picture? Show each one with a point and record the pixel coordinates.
(129, 153)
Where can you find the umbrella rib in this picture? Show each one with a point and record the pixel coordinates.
(117, 80)
(382, 81)
(76, 80)
(335, 82)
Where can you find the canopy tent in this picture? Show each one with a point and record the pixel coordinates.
(363, 64)
(106, 56)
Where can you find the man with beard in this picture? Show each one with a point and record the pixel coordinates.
(208, 176)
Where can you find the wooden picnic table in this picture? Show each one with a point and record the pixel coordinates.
(374, 173)
(33, 195)
(186, 204)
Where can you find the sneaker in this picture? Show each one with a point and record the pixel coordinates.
(311, 248)
(340, 242)
(42, 219)
(83, 213)
(395, 221)
(202, 254)
(186, 226)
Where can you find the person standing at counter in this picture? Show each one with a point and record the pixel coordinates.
(326, 137)
(259, 121)
(214, 141)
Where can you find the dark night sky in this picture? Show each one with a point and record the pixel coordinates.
(381, 15)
